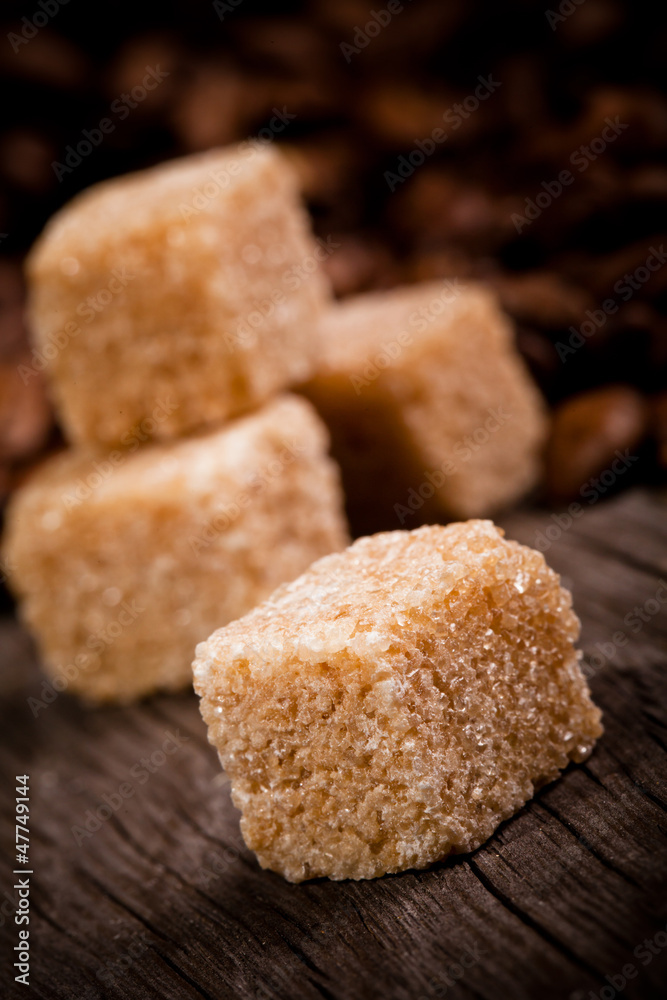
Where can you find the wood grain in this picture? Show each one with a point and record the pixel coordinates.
(164, 900)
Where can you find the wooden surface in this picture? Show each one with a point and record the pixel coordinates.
(163, 900)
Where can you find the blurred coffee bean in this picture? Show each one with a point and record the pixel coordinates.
(406, 118)
(522, 93)
(446, 262)
(398, 114)
(13, 336)
(11, 283)
(561, 218)
(209, 109)
(289, 45)
(412, 34)
(130, 65)
(636, 340)
(589, 431)
(49, 59)
(342, 16)
(637, 314)
(25, 161)
(627, 347)
(359, 264)
(637, 270)
(307, 99)
(434, 206)
(642, 108)
(591, 22)
(648, 181)
(611, 120)
(25, 415)
(324, 166)
(540, 355)
(541, 298)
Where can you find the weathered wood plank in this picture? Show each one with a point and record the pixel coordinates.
(164, 900)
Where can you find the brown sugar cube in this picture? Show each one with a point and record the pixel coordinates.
(124, 563)
(430, 407)
(397, 702)
(196, 279)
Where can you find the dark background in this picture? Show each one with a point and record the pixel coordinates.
(561, 76)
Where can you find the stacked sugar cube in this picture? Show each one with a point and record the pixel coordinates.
(198, 507)
(172, 307)
(432, 412)
(186, 282)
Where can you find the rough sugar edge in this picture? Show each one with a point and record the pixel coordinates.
(466, 550)
(165, 465)
(221, 287)
(174, 178)
(297, 859)
(453, 552)
(47, 557)
(162, 464)
(282, 423)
